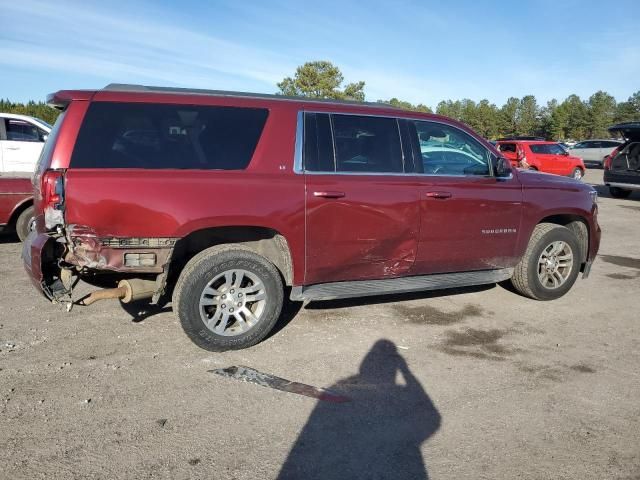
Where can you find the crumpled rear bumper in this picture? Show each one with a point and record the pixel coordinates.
(37, 251)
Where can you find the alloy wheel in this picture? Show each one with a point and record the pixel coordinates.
(233, 302)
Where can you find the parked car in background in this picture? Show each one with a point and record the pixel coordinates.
(622, 167)
(593, 152)
(548, 157)
(16, 204)
(219, 200)
(21, 141)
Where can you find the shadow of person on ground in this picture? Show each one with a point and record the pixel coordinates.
(377, 435)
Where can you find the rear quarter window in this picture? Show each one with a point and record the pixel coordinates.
(163, 136)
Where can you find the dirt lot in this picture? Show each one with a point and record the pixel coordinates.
(478, 383)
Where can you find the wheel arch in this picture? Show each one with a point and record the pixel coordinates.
(263, 241)
(578, 225)
(18, 209)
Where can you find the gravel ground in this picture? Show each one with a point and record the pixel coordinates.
(473, 383)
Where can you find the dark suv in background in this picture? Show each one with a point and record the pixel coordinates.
(226, 202)
(622, 167)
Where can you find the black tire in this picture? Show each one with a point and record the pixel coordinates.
(577, 173)
(617, 192)
(201, 270)
(23, 223)
(525, 276)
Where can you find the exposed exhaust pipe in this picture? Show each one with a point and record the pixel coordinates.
(127, 291)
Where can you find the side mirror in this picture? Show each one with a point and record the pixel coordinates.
(502, 167)
(44, 137)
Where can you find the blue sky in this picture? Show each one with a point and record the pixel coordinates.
(419, 51)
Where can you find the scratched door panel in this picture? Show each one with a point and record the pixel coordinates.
(369, 233)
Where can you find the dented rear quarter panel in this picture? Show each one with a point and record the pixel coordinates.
(172, 203)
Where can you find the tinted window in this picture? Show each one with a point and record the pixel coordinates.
(318, 145)
(141, 135)
(21, 131)
(507, 147)
(447, 150)
(610, 144)
(366, 144)
(548, 149)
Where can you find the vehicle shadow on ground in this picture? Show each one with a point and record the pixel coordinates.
(9, 237)
(378, 434)
(394, 298)
(143, 309)
(603, 192)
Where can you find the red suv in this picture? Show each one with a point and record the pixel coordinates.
(226, 202)
(543, 156)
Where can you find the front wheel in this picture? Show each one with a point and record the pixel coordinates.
(617, 192)
(577, 173)
(228, 298)
(550, 265)
(24, 224)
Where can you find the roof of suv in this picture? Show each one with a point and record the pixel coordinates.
(61, 98)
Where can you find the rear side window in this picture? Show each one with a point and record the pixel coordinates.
(318, 149)
(162, 136)
(549, 149)
(367, 144)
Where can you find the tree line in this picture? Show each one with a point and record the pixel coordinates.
(34, 109)
(572, 118)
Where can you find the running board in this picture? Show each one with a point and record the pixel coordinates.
(364, 288)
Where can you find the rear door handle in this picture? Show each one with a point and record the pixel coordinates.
(441, 195)
(328, 194)
(12, 148)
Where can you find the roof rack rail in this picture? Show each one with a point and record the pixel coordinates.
(521, 137)
(125, 87)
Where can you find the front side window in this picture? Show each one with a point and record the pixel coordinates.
(22, 131)
(507, 147)
(163, 136)
(367, 144)
(447, 150)
(547, 149)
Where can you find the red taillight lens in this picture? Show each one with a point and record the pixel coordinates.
(609, 159)
(53, 189)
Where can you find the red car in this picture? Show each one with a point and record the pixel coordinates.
(16, 204)
(548, 157)
(226, 202)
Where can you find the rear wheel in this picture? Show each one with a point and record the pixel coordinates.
(24, 223)
(550, 265)
(228, 298)
(617, 192)
(577, 173)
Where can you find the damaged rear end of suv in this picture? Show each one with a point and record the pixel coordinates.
(57, 253)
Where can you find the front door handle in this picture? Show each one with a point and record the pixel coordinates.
(12, 148)
(328, 194)
(440, 195)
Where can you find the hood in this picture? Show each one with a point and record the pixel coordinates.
(629, 130)
(540, 179)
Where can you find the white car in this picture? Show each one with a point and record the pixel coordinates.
(593, 152)
(21, 141)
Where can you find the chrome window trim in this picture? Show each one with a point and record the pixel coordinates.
(299, 145)
(298, 166)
